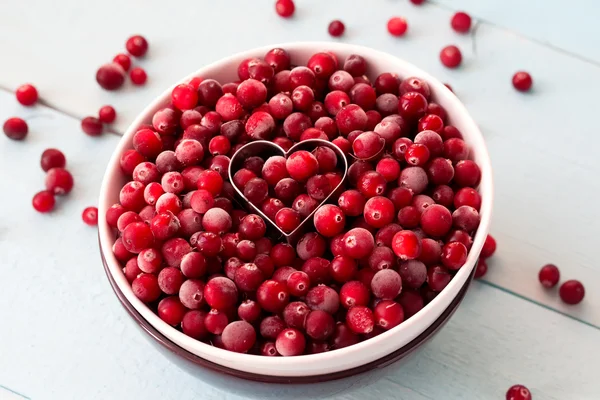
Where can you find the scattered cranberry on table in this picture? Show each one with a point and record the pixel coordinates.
(522, 81)
(107, 114)
(123, 60)
(110, 76)
(285, 8)
(92, 126)
(399, 230)
(43, 201)
(461, 22)
(90, 216)
(336, 28)
(397, 26)
(52, 158)
(138, 76)
(571, 292)
(15, 128)
(451, 56)
(518, 392)
(549, 275)
(26, 94)
(137, 46)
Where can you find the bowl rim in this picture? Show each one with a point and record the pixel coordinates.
(286, 366)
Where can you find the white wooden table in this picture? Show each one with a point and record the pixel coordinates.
(65, 336)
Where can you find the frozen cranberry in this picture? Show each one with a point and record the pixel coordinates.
(311, 245)
(436, 220)
(43, 201)
(302, 98)
(401, 197)
(440, 171)
(417, 154)
(356, 65)
(278, 59)
(387, 104)
(367, 145)
(409, 217)
(193, 324)
(165, 121)
(290, 342)
(329, 220)
(411, 302)
(60, 181)
(363, 95)
(138, 76)
(249, 311)
(260, 125)
(518, 392)
(413, 178)
(282, 254)
(489, 247)
(326, 158)
(372, 184)
(397, 26)
(385, 235)
(285, 8)
(460, 236)
(271, 326)
(406, 245)
(216, 321)
(110, 76)
(301, 165)
(382, 257)
(220, 293)
(336, 100)
(229, 107)
(467, 197)
(319, 187)
(336, 28)
(272, 296)
(461, 22)
(400, 146)
(295, 313)
(358, 243)
(319, 325)
(413, 273)
(317, 269)
(127, 218)
(210, 180)
(301, 76)
(438, 278)
(145, 287)
(549, 275)
(341, 80)
(342, 268)
(148, 143)
(137, 236)
(571, 292)
(282, 274)
(251, 93)
(90, 216)
(248, 277)
(120, 252)
(379, 211)
(522, 81)
(136, 45)
(466, 218)
(239, 336)
(451, 56)
(360, 319)
(280, 106)
(351, 202)
(252, 227)
(164, 226)
(386, 284)
(443, 195)
(287, 219)
(170, 280)
(217, 220)
(323, 298)
(132, 270)
(107, 114)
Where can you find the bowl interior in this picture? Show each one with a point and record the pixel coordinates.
(339, 360)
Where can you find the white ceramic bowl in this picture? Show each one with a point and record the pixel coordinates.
(362, 353)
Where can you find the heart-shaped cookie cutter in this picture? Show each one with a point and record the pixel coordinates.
(265, 149)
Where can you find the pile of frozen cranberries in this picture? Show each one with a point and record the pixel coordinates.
(387, 245)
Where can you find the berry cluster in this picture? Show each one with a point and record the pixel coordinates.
(391, 241)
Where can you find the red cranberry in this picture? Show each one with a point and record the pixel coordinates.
(417, 154)
(400, 146)
(212, 181)
(43, 201)
(412, 105)
(171, 310)
(438, 278)
(164, 226)
(406, 245)
(411, 302)
(341, 80)
(489, 247)
(323, 298)
(465, 218)
(335, 101)
(461, 22)
(282, 274)
(397, 26)
(467, 197)
(272, 296)
(436, 220)
(356, 65)
(137, 46)
(336, 28)
(90, 216)
(319, 325)
(360, 319)
(260, 125)
(216, 321)
(278, 59)
(460, 236)
(358, 243)
(249, 311)
(193, 324)
(379, 211)
(26, 94)
(287, 219)
(170, 280)
(413, 273)
(110, 76)
(138, 76)
(388, 314)
(454, 255)
(165, 121)
(298, 283)
(127, 218)
(364, 96)
(60, 181)
(92, 126)
(248, 277)
(481, 268)
(386, 284)
(229, 107)
(15, 128)
(107, 114)
(220, 293)
(145, 287)
(342, 268)
(251, 93)
(367, 145)
(311, 245)
(385, 235)
(518, 392)
(431, 122)
(372, 184)
(549, 275)
(571, 292)
(285, 8)
(401, 197)
(295, 313)
(123, 60)
(451, 56)
(351, 202)
(290, 342)
(413, 178)
(239, 336)
(329, 220)
(522, 81)
(173, 251)
(301, 165)
(354, 293)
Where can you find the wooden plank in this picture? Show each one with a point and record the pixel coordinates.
(570, 27)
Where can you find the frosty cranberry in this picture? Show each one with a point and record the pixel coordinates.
(363, 95)
(239, 336)
(272, 296)
(466, 218)
(110, 76)
(571, 292)
(360, 319)
(356, 65)
(301, 165)
(170, 280)
(165, 121)
(43, 201)
(326, 158)
(451, 56)
(137, 46)
(413, 273)
(220, 293)
(15, 128)
(386, 284)
(436, 220)
(358, 243)
(367, 145)
(295, 313)
(335, 101)
(549, 275)
(216, 321)
(173, 251)
(413, 178)
(145, 287)
(323, 298)
(522, 81)
(319, 325)
(290, 342)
